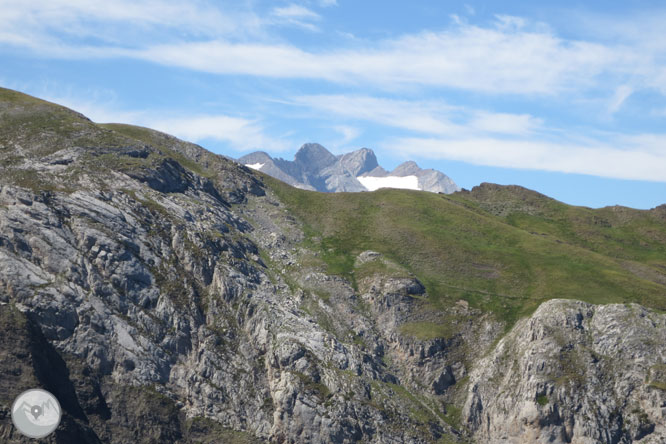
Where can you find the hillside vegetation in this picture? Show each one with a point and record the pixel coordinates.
(502, 249)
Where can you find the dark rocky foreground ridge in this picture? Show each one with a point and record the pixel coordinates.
(166, 294)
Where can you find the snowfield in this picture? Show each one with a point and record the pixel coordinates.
(375, 183)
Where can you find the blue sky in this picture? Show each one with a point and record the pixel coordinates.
(568, 99)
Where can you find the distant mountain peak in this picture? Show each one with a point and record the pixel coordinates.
(314, 157)
(408, 168)
(359, 161)
(316, 168)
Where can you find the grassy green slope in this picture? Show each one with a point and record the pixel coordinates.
(32, 129)
(618, 232)
(506, 262)
(39, 128)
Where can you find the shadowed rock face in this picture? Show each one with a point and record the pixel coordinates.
(312, 158)
(315, 168)
(165, 294)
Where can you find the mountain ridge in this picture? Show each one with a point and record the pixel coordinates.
(315, 168)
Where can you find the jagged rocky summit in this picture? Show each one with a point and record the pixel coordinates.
(315, 168)
(165, 294)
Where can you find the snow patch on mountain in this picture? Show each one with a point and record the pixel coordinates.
(375, 183)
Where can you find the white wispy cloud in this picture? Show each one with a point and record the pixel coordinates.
(641, 32)
(115, 22)
(348, 133)
(641, 161)
(622, 93)
(410, 115)
(507, 57)
(468, 57)
(509, 22)
(296, 15)
(429, 117)
(503, 123)
(294, 11)
(99, 106)
(239, 133)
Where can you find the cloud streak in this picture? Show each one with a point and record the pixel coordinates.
(428, 117)
(296, 12)
(470, 58)
(643, 161)
(296, 15)
(238, 133)
(115, 22)
(622, 93)
(506, 57)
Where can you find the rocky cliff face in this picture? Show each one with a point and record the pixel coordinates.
(165, 294)
(573, 373)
